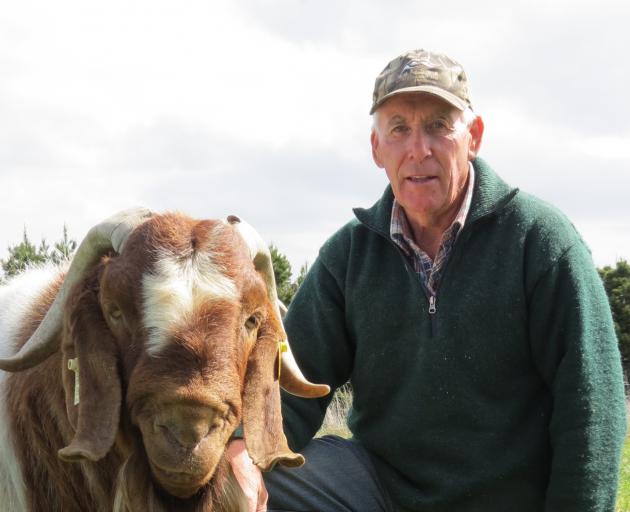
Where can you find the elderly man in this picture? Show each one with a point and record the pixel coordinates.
(471, 322)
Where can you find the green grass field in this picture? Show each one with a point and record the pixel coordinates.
(623, 497)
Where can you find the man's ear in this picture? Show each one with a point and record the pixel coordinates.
(476, 134)
(374, 142)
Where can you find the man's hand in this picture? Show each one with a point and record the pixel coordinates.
(247, 475)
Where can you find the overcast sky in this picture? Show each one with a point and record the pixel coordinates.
(260, 108)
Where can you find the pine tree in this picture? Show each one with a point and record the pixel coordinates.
(26, 254)
(617, 283)
(64, 249)
(282, 273)
(23, 255)
(301, 276)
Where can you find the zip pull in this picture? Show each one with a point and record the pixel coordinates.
(432, 308)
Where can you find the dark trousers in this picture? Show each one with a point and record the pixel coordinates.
(338, 476)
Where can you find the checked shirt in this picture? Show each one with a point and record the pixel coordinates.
(429, 271)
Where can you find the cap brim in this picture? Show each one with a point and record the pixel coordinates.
(428, 89)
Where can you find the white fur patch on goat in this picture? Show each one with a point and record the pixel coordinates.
(16, 300)
(175, 288)
(12, 486)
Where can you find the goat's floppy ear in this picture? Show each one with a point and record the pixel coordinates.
(89, 343)
(262, 417)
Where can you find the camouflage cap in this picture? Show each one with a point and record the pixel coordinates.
(422, 71)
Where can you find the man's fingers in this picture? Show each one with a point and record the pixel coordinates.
(248, 476)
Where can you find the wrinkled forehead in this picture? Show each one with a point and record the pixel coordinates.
(192, 266)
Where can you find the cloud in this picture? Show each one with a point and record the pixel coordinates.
(564, 63)
(260, 108)
(607, 148)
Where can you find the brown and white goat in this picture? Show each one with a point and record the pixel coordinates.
(164, 349)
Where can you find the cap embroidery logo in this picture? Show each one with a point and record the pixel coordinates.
(420, 70)
(409, 66)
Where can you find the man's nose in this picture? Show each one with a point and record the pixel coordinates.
(419, 145)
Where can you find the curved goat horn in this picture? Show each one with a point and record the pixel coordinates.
(291, 378)
(109, 234)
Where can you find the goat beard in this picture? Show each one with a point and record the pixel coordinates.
(136, 492)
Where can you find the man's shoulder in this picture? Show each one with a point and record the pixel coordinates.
(541, 233)
(547, 233)
(537, 215)
(340, 241)
(525, 214)
(367, 222)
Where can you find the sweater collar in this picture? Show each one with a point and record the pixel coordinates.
(490, 194)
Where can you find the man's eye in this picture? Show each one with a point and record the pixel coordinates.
(399, 129)
(438, 127)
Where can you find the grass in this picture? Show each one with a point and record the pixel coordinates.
(335, 420)
(335, 423)
(623, 496)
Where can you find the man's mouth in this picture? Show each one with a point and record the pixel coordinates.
(421, 179)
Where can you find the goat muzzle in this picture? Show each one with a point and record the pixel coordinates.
(184, 444)
(177, 483)
(189, 426)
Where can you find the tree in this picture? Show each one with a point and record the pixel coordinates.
(282, 272)
(23, 255)
(26, 254)
(617, 283)
(64, 249)
(301, 276)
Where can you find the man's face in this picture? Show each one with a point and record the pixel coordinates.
(424, 146)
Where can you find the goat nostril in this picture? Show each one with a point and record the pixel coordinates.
(167, 434)
(187, 432)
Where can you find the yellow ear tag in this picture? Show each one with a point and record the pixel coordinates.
(73, 365)
(283, 346)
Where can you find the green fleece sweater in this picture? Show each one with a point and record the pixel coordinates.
(508, 398)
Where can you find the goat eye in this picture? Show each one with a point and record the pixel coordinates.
(252, 322)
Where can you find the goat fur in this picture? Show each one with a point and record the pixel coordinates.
(109, 469)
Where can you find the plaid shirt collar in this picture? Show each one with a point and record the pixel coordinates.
(429, 270)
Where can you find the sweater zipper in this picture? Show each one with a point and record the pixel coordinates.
(432, 308)
(432, 315)
(431, 297)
